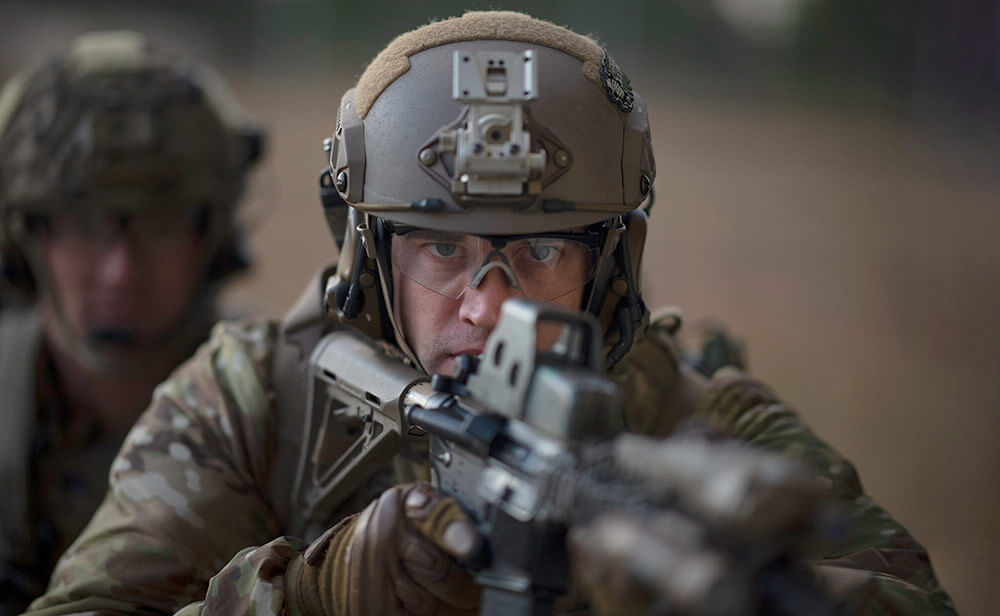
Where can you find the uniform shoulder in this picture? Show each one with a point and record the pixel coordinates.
(256, 336)
(234, 363)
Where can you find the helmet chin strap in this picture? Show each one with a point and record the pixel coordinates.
(397, 331)
(383, 265)
(622, 320)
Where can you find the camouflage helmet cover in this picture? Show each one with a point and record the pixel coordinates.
(123, 123)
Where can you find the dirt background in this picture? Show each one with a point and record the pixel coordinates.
(853, 251)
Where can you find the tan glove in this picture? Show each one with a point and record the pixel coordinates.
(395, 557)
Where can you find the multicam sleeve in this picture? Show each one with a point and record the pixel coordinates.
(187, 498)
(876, 566)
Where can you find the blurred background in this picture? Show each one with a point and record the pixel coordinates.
(828, 175)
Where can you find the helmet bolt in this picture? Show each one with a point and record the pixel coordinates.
(514, 148)
(341, 182)
(428, 156)
(620, 287)
(644, 184)
(367, 280)
(477, 148)
(562, 158)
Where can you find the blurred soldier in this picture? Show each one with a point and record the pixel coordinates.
(120, 170)
(484, 157)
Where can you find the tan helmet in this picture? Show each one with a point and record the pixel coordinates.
(117, 123)
(493, 123)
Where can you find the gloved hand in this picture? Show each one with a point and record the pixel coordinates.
(631, 566)
(731, 543)
(398, 556)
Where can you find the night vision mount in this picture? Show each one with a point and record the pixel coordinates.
(493, 149)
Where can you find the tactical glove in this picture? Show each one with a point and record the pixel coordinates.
(627, 566)
(730, 544)
(395, 557)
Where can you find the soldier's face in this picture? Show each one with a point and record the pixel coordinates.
(115, 285)
(440, 327)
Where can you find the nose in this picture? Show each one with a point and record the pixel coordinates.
(481, 305)
(117, 265)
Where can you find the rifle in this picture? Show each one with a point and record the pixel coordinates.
(520, 438)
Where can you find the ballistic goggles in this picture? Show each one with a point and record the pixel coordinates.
(541, 266)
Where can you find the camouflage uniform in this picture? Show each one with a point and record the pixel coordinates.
(63, 470)
(196, 518)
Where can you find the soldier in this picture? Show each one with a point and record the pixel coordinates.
(120, 171)
(484, 157)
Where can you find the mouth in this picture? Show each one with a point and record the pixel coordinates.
(112, 337)
(454, 358)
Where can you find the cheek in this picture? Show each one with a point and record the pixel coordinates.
(548, 333)
(409, 309)
(422, 315)
(67, 275)
(171, 279)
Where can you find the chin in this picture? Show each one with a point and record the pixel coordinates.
(112, 361)
(443, 367)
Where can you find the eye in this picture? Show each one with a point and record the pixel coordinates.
(443, 249)
(542, 252)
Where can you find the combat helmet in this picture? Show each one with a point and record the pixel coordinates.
(115, 122)
(493, 123)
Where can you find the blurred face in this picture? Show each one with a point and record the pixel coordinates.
(115, 284)
(449, 287)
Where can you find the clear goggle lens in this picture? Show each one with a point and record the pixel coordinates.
(543, 267)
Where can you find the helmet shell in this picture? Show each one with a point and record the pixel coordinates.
(588, 132)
